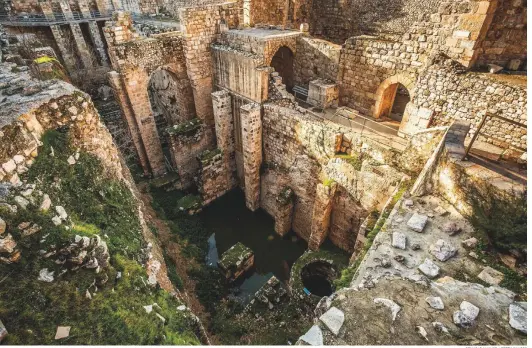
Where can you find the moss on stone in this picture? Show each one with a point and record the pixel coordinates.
(208, 155)
(232, 258)
(185, 128)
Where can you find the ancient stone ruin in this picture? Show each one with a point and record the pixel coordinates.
(311, 172)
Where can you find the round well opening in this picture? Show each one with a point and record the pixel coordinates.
(317, 278)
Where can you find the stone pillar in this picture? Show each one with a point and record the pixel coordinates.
(64, 48)
(224, 123)
(46, 8)
(120, 95)
(323, 93)
(98, 43)
(83, 49)
(65, 8)
(321, 214)
(250, 115)
(285, 208)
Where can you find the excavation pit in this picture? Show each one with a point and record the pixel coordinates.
(317, 278)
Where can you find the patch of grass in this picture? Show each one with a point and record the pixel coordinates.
(354, 160)
(210, 286)
(97, 205)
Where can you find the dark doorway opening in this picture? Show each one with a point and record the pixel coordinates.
(283, 63)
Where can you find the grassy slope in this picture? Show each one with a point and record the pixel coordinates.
(31, 310)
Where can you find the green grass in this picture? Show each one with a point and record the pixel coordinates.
(97, 205)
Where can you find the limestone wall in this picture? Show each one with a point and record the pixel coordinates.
(506, 37)
(315, 59)
(454, 95)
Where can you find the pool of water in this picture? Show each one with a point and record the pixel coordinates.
(230, 222)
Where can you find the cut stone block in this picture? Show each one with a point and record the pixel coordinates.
(470, 243)
(333, 319)
(417, 222)
(429, 268)
(469, 309)
(491, 276)
(442, 250)
(62, 332)
(314, 336)
(399, 240)
(394, 307)
(236, 261)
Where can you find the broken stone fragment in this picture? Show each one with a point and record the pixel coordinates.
(409, 203)
(442, 250)
(3, 331)
(22, 202)
(422, 332)
(7, 244)
(470, 243)
(467, 314)
(435, 302)
(3, 226)
(56, 220)
(399, 240)
(46, 203)
(517, 316)
(181, 307)
(161, 317)
(451, 228)
(491, 276)
(333, 319)
(429, 268)
(148, 308)
(440, 211)
(416, 246)
(62, 332)
(71, 160)
(32, 230)
(9, 166)
(61, 212)
(394, 307)
(46, 276)
(439, 327)
(417, 222)
(314, 336)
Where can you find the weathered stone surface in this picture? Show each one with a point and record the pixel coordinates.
(442, 250)
(22, 202)
(470, 243)
(491, 276)
(440, 327)
(7, 244)
(517, 316)
(429, 268)
(61, 212)
(417, 222)
(46, 276)
(313, 336)
(435, 302)
(467, 314)
(399, 240)
(451, 228)
(394, 307)
(3, 331)
(3, 226)
(333, 319)
(62, 332)
(422, 332)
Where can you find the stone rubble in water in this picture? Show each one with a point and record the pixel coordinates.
(435, 302)
(394, 307)
(442, 250)
(491, 276)
(333, 319)
(429, 268)
(62, 332)
(314, 336)
(46, 276)
(399, 240)
(417, 222)
(517, 316)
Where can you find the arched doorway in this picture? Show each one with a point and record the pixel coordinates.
(393, 102)
(283, 63)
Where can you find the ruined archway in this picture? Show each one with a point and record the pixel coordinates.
(393, 96)
(283, 63)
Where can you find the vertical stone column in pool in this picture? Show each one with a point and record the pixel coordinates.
(225, 140)
(250, 115)
(321, 215)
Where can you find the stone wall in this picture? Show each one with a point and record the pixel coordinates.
(455, 95)
(315, 59)
(273, 12)
(506, 38)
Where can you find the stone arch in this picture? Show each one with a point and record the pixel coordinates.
(283, 63)
(171, 94)
(386, 94)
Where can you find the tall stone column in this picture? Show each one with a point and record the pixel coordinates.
(120, 94)
(225, 140)
(81, 45)
(250, 116)
(321, 214)
(98, 43)
(65, 48)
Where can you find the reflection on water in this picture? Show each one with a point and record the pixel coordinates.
(230, 222)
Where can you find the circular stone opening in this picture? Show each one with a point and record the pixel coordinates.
(317, 277)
